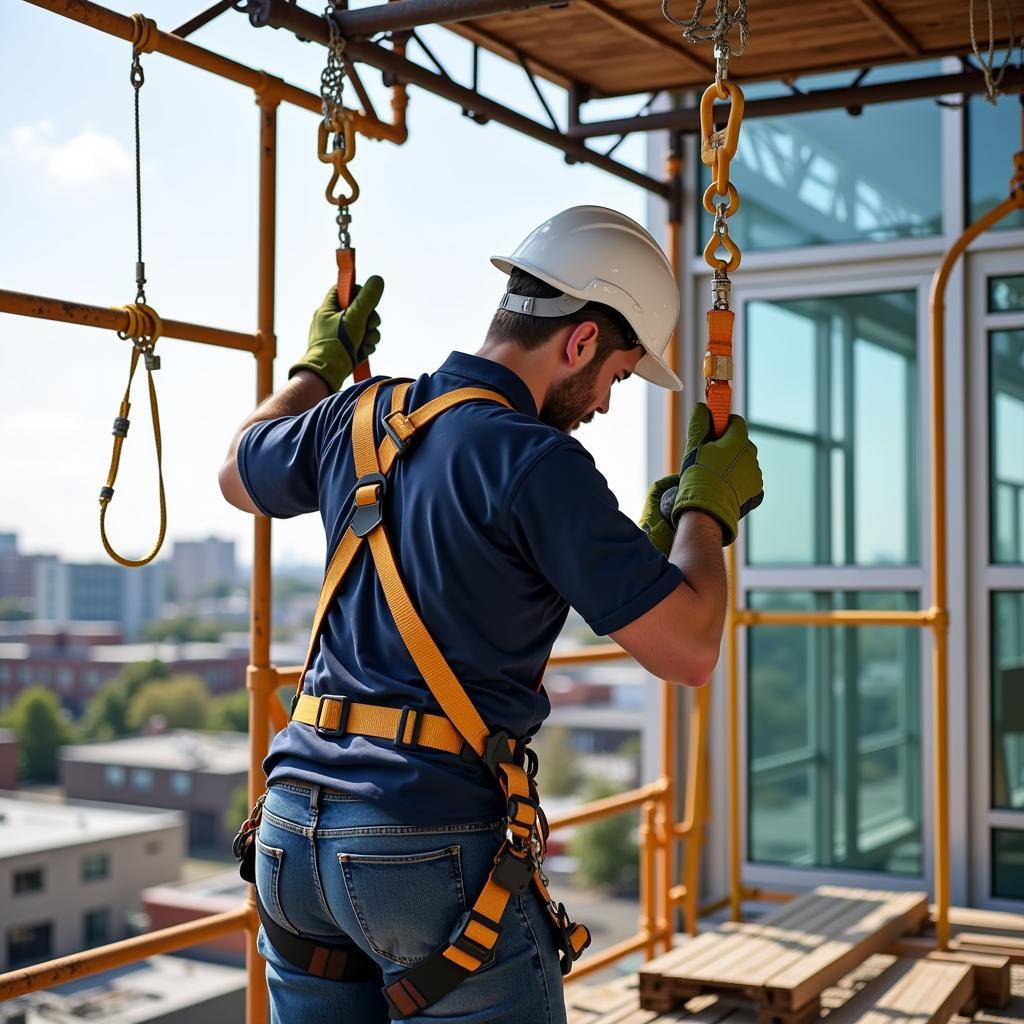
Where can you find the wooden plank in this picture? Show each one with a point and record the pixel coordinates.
(995, 922)
(1000, 945)
(991, 974)
(789, 957)
(910, 992)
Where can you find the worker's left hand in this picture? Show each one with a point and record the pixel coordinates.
(659, 530)
(339, 340)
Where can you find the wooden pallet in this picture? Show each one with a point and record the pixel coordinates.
(623, 1008)
(784, 961)
(991, 970)
(910, 992)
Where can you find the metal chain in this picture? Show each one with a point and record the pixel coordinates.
(332, 85)
(694, 31)
(994, 79)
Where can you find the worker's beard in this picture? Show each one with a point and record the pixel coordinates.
(566, 404)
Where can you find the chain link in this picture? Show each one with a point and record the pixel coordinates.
(340, 149)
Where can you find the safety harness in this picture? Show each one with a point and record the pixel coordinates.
(458, 731)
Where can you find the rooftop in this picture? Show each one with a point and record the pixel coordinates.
(35, 826)
(148, 990)
(176, 750)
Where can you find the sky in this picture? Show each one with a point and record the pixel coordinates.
(430, 214)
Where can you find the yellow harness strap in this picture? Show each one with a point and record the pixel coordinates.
(517, 863)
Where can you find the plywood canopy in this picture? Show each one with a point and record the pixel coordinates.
(618, 47)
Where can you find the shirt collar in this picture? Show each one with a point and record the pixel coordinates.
(494, 375)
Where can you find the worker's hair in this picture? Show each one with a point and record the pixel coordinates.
(533, 331)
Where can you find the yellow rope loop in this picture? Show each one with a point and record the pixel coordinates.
(144, 330)
(145, 34)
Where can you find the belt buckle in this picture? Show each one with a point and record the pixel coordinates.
(327, 732)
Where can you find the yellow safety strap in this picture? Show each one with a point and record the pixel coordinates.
(144, 327)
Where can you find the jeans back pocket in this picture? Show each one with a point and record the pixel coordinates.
(406, 904)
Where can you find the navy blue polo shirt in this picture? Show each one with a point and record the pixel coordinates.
(499, 523)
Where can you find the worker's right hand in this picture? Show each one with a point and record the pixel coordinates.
(719, 475)
(339, 340)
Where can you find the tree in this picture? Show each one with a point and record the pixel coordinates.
(106, 716)
(12, 610)
(181, 702)
(238, 809)
(185, 629)
(42, 730)
(606, 850)
(229, 712)
(560, 773)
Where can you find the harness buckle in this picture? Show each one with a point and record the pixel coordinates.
(367, 517)
(417, 724)
(515, 805)
(513, 872)
(400, 443)
(326, 731)
(497, 751)
(564, 929)
(460, 940)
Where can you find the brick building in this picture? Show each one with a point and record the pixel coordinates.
(196, 773)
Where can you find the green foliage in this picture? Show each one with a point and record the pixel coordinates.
(560, 773)
(12, 610)
(229, 712)
(106, 716)
(238, 809)
(183, 629)
(606, 850)
(39, 722)
(180, 702)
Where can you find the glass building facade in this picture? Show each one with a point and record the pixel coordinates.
(841, 232)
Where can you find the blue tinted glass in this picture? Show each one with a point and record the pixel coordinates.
(831, 387)
(1008, 864)
(1008, 700)
(1006, 458)
(993, 136)
(827, 176)
(834, 738)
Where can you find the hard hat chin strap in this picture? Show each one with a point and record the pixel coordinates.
(561, 305)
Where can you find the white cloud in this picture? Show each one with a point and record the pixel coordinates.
(86, 157)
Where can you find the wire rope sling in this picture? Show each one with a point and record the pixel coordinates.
(336, 146)
(143, 330)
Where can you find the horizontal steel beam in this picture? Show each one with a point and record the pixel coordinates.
(280, 14)
(407, 14)
(688, 119)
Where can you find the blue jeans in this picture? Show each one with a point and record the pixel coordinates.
(338, 869)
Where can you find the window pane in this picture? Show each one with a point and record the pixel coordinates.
(29, 944)
(1008, 864)
(95, 927)
(993, 136)
(834, 738)
(1006, 294)
(1006, 460)
(1008, 700)
(832, 405)
(95, 866)
(29, 880)
(827, 177)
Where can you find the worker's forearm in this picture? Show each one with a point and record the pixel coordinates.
(298, 395)
(697, 551)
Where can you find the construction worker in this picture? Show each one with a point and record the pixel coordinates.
(378, 846)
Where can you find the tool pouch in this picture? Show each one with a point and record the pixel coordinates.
(244, 844)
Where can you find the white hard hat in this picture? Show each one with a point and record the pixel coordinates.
(599, 255)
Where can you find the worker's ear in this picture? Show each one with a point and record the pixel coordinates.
(581, 345)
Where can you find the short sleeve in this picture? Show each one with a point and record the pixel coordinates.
(566, 522)
(278, 461)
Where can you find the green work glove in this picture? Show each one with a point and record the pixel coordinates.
(660, 530)
(720, 475)
(339, 340)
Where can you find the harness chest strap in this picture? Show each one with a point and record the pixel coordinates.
(516, 866)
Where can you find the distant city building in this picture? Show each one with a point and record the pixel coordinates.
(178, 902)
(160, 990)
(200, 566)
(193, 772)
(71, 873)
(74, 662)
(25, 578)
(8, 759)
